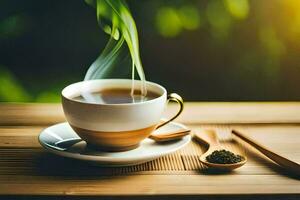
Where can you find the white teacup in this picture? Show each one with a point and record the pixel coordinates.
(115, 127)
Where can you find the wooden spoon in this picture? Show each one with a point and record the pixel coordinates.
(164, 137)
(209, 137)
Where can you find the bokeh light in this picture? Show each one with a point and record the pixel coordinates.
(238, 8)
(171, 21)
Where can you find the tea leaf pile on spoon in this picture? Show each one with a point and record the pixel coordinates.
(224, 157)
(216, 157)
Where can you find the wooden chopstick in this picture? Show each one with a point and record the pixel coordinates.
(287, 164)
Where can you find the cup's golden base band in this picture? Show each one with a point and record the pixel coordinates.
(114, 141)
(112, 148)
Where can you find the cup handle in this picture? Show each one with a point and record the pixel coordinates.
(176, 98)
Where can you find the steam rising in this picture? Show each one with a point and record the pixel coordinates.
(115, 19)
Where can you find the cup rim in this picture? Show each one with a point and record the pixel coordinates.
(112, 104)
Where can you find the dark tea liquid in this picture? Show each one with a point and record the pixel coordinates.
(116, 96)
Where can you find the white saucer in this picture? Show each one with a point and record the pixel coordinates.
(148, 149)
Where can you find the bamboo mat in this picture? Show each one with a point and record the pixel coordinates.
(35, 161)
(21, 153)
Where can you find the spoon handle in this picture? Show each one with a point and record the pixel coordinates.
(169, 136)
(280, 160)
(209, 137)
(67, 142)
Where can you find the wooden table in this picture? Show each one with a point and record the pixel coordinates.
(26, 170)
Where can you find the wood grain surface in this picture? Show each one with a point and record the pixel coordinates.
(26, 170)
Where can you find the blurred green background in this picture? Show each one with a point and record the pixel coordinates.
(220, 50)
